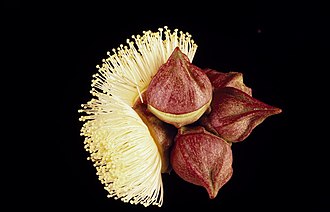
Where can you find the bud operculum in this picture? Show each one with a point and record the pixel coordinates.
(180, 92)
(234, 114)
(202, 158)
(229, 79)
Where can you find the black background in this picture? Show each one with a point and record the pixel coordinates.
(280, 47)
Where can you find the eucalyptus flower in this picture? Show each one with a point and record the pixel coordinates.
(153, 111)
(126, 157)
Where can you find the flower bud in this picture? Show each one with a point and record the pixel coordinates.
(180, 92)
(202, 158)
(230, 79)
(234, 114)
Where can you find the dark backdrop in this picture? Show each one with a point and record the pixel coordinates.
(280, 48)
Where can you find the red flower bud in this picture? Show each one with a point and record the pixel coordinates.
(234, 114)
(230, 79)
(202, 158)
(180, 92)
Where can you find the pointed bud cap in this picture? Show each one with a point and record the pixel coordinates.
(234, 114)
(230, 79)
(202, 158)
(180, 92)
